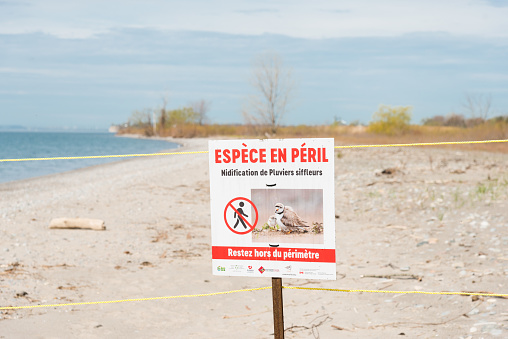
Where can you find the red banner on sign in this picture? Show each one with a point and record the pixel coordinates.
(274, 254)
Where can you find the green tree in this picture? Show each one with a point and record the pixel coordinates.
(181, 116)
(391, 120)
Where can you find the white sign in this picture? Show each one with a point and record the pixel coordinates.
(273, 208)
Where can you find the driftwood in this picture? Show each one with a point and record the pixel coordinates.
(77, 223)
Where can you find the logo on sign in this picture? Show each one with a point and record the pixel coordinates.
(261, 270)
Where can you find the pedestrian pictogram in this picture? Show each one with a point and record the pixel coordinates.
(236, 215)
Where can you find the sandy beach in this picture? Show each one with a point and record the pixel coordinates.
(407, 219)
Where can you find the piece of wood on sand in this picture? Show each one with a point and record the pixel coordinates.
(77, 223)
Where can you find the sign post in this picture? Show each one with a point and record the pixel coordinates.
(278, 309)
(273, 210)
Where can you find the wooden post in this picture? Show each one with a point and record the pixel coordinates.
(278, 308)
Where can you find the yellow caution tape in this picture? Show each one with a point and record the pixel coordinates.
(396, 292)
(137, 299)
(253, 289)
(203, 152)
(427, 144)
(102, 156)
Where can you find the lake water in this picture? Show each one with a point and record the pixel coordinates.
(17, 145)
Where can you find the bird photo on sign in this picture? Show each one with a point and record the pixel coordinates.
(292, 215)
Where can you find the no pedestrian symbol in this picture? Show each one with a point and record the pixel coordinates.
(236, 215)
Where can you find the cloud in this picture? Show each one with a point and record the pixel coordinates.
(491, 76)
(127, 68)
(317, 19)
(8, 92)
(498, 3)
(337, 11)
(13, 3)
(34, 71)
(257, 11)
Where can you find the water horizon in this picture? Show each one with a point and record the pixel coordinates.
(47, 144)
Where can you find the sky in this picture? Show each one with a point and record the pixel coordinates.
(90, 64)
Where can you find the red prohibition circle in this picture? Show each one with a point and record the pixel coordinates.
(230, 205)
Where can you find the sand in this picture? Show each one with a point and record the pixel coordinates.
(438, 222)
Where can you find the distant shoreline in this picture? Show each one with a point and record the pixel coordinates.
(12, 172)
(139, 136)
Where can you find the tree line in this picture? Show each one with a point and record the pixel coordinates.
(273, 90)
(162, 121)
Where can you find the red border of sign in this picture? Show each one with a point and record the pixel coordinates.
(229, 204)
(326, 255)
